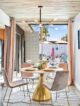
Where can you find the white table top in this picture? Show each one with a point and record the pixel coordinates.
(47, 70)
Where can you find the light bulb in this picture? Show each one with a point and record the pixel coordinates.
(40, 25)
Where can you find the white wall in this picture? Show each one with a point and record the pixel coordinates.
(76, 27)
(47, 49)
(4, 19)
(32, 46)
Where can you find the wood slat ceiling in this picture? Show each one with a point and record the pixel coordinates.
(28, 10)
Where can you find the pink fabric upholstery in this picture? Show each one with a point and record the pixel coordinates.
(64, 66)
(61, 80)
(14, 83)
(26, 65)
(26, 74)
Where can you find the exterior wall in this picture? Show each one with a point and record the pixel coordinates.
(47, 49)
(32, 46)
(76, 27)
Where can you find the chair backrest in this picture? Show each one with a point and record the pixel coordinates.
(60, 81)
(64, 66)
(26, 65)
(26, 74)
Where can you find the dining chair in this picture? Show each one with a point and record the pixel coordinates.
(60, 82)
(28, 76)
(61, 65)
(64, 66)
(14, 84)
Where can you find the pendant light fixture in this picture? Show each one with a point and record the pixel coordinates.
(43, 29)
(40, 22)
(40, 17)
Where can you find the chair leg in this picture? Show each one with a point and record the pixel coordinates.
(30, 98)
(68, 88)
(27, 89)
(32, 82)
(27, 82)
(51, 101)
(23, 91)
(9, 96)
(20, 88)
(56, 95)
(29, 93)
(5, 94)
(67, 97)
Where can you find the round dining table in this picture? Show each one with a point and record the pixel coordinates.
(41, 93)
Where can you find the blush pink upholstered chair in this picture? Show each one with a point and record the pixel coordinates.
(64, 66)
(14, 84)
(60, 82)
(28, 76)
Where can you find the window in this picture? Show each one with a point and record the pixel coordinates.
(58, 33)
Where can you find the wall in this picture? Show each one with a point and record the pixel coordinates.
(31, 46)
(76, 27)
(4, 19)
(47, 49)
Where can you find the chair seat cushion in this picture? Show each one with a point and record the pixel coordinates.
(17, 83)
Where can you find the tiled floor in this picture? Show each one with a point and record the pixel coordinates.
(18, 97)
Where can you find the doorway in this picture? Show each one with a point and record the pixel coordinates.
(18, 53)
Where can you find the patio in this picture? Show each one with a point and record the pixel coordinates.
(18, 97)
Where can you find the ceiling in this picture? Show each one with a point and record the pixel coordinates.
(53, 10)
